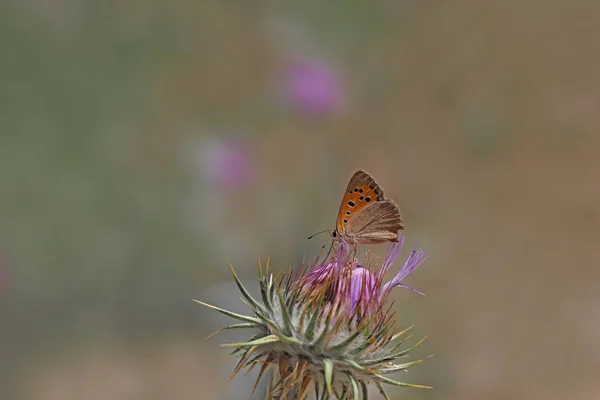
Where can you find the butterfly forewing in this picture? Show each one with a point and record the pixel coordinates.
(362, 191)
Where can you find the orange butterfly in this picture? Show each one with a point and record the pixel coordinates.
(365, 215)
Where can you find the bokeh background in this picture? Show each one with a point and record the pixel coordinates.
(144, 144)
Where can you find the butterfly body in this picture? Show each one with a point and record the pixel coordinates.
(365, 215)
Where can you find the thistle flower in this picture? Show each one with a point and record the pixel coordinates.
(326, 323)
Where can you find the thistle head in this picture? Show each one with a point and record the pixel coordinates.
(327, 323)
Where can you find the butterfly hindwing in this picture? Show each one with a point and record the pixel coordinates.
(377, 223)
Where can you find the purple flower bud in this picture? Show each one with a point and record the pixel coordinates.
(363, 285)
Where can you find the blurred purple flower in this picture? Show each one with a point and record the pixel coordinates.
(226, 163)
(313, 87)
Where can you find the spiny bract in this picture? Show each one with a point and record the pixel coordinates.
(326, 323)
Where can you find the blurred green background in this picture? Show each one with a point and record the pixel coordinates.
(144, 144)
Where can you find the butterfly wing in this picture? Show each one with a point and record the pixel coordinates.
(361, 192)
(377, 223)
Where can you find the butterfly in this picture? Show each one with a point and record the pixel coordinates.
(365, 215)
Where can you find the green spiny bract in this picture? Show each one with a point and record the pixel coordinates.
(325, 324)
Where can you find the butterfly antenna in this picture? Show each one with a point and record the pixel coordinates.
(318, 233)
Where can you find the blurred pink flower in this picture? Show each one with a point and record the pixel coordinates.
(313, 87)
(226, 163)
